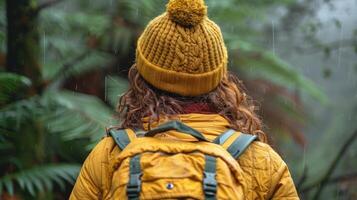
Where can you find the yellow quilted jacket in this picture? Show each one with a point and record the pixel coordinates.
(265, 173)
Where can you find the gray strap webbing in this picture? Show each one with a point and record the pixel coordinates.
(178, 126)
(120, 137)
(224, 136)
(209, 178)
(134, 184)
(240, 144)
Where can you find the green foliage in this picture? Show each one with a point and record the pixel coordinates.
(2, 26)
(78, 37)
(114, 87)
(77, 115)
(71, 55)
(40, 178)
(63, 120)
(141, 11)
(75, 65)
(121, 41)
(41, 132)
(78, 23)
(268, 66)
(9, 83)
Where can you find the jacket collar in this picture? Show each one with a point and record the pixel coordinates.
(210, 125)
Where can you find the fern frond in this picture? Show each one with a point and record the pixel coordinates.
(270, 67)
(39, 178)
(75, 64)
(10, 83)
(77, 115)
(114, 87)
(18, 112)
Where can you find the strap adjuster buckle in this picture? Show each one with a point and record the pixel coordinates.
(134, 185)
(209, 184)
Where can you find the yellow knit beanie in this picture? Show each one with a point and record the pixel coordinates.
(182, 51)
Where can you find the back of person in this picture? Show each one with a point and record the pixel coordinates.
(188, 129)
(151, 168)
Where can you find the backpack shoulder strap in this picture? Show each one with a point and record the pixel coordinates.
(221, 139)
(240, 144)
(121, 137)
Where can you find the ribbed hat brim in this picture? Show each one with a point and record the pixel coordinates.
(181, 83)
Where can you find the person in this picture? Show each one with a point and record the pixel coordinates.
(180, 79)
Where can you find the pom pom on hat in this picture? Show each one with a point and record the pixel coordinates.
(187, 13)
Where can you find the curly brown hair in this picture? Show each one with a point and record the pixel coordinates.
(228, 99)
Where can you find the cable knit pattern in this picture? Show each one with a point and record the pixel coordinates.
(173, 56)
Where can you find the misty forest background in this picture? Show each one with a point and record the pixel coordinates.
(64, 63)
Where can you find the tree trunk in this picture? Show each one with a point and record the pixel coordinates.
(23, 40)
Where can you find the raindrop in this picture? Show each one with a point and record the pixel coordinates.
(105, 88)
(44, 48)
(137, 12)
(273, 35)
(339, 48)
(304, 159)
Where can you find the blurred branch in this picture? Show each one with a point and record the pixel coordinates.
(345, 177)
(69, 65)
(337, 179)
(325, 179)
(46, 5)
(330, 46)
(302, 178)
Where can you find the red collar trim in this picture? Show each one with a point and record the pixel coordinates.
(202, 108)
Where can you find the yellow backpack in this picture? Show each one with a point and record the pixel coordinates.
(159, 168)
